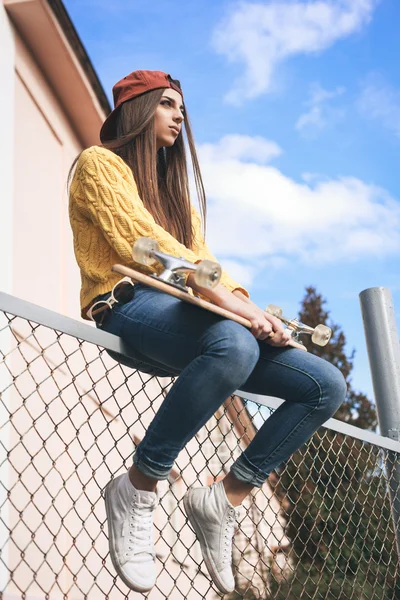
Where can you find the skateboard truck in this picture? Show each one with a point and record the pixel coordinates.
(206, 273)
(320, 335)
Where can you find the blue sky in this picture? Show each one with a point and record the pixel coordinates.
(295, 107)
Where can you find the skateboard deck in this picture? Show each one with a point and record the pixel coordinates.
(157, 284)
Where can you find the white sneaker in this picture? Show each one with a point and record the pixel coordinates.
(213, 518)
(130, 532)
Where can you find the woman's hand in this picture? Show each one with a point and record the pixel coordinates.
(263, 325)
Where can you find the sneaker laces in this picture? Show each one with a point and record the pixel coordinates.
(140, 540)
(229, 530)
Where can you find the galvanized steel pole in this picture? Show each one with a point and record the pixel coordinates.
(384, 358)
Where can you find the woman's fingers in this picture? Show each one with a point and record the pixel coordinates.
(280, 336)
(260, 328)
(268, 328)
(282, 343)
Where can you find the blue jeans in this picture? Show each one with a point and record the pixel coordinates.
(214, 357)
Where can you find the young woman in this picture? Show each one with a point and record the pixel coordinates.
(136, 185)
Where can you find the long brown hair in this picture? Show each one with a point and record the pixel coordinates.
(161, 177)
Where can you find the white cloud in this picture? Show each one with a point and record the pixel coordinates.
(309, 177)
(320, 112)
(261, 36)
(242, 147)
(258, 215)
(381, 101)
(243, 273)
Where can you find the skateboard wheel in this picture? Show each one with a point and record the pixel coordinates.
(207, 274)
(274, 310)
(322, 335)
(143, 249)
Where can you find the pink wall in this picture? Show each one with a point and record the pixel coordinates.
(44, 266)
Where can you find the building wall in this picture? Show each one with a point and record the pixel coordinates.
(43, 263)
(37, 147)
(7, 60)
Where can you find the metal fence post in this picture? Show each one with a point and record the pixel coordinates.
(384, 357)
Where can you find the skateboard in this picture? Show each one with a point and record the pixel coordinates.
(206, 274)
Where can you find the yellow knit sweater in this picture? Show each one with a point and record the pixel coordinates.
(107, 216)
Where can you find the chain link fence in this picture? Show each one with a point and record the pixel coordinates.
(70, 417)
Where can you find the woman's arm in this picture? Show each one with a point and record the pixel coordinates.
(240, 295)
(262, 322)
(233, 297)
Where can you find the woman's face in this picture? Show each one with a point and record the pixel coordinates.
(168, 118)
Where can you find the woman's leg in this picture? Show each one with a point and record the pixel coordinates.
(212, 356)
(313, 390)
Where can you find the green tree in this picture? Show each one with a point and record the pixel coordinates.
(338, 513)
(357, 410)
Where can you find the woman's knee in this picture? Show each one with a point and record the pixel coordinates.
(322, 385)
(235, 346)
(334, 389)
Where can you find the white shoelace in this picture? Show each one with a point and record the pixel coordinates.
(140, 529)
(229, 530)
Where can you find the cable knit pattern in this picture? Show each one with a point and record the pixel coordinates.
(107, 216)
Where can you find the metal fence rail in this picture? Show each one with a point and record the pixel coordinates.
(70, 417)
